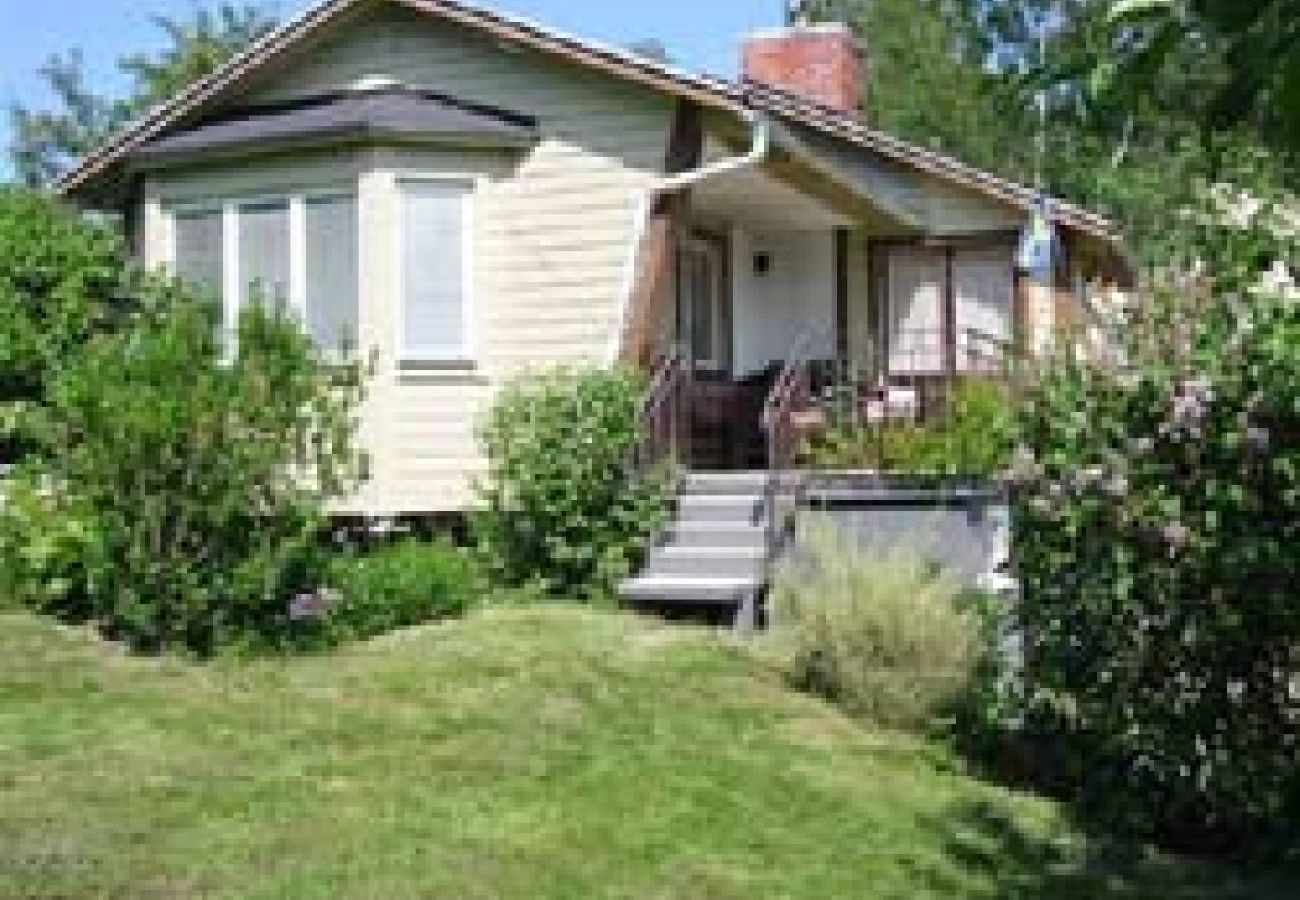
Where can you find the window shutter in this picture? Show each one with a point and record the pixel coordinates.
(434, 280)
(331, 270)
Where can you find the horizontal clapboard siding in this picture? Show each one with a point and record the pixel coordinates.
(551, 228)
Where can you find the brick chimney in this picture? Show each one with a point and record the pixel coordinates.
(818, 62)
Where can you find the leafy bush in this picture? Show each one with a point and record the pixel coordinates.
(398, 586)
(560, 510)
(1157, 539)
(62, 280)
(183, 494)
(881, 634)
(973, 436)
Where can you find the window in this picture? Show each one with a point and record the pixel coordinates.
(299, 253)
(435, 271)
(199, 249)
(331, 271)
(264, 253)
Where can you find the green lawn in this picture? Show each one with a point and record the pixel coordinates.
(522, 753)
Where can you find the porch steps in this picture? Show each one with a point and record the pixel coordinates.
(712, 558)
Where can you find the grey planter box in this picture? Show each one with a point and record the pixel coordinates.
(960, 525)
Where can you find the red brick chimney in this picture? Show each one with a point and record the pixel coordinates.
(818, 62)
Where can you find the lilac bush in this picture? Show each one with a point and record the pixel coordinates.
(1157, 539)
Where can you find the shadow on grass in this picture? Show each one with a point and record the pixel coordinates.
(987, 853)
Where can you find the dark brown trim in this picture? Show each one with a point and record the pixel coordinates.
(984, 240)
(948, 314)
(842, 293)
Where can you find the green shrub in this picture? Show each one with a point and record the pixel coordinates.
(561, 512)
(881, 634)
(62, 280)
(972, 436)
(183, 493)
(1157, 539)
(399, 586)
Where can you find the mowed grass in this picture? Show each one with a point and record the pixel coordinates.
(530, 753)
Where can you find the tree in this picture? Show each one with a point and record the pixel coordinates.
(1257, 45)
(48, 142)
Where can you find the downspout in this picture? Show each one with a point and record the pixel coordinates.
(759, 146)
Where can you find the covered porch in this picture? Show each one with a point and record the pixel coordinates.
(784, 285)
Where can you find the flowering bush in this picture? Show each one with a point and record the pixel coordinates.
(1157, 538)
(181, 494)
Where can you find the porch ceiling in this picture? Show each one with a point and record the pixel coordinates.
(756, 199)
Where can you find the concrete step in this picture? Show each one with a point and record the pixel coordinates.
(737, 509)
(656, 590)
(749, 483)
(707, 562)
(717, 534)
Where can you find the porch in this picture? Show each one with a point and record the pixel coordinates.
(782, 294)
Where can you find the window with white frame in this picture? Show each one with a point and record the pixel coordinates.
(435, 270)
(298, 252)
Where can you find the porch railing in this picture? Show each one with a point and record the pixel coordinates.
(785, 424)
(664, 414)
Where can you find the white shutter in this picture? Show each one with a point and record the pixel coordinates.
(331, 271)
(984, 293)
(434, 276)
(916, 311)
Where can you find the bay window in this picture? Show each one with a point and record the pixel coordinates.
(298, 252)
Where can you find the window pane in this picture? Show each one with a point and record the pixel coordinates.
(199, 249)
(264, 252)
(916, 311)
(332, 281)
(984, 289)
(433, 277)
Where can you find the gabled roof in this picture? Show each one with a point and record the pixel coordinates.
(716, 93)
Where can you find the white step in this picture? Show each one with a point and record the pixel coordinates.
(738, 509)
(717, 534)
(708, 562)
(719, 591)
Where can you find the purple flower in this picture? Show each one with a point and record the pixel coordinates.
(311, 605)
(1176, 536)
(1257, 438)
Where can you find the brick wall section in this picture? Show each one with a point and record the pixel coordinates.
(819, 62)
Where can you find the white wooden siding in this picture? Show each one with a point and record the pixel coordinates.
(552, 226)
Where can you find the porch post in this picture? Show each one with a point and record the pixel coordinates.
(842, 295)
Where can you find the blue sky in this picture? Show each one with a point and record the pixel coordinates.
(700, 34)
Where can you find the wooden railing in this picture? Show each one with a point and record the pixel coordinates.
(785, 428)
(665, 414)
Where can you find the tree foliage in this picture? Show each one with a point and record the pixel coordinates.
(62, 281)
(47, 142)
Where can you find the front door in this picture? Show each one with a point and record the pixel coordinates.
(701, 324)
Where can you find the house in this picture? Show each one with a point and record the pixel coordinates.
(468, 195)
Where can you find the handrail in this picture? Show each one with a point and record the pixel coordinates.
(791, 392)
(662, 413)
